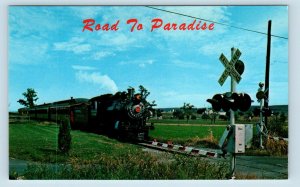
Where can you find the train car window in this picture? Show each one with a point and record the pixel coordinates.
(96, 105)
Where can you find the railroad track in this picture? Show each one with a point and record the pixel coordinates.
(191, 151)
(260, 167)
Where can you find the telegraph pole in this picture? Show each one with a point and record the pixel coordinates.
(266, 102)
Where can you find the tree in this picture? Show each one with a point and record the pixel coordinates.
(30, 98)
(205, 116)
(213, 117)
(248, 116)
(282, 117)
(159, 113)
(144, 92)
(178, 114)
(187, 110)
(201, 110)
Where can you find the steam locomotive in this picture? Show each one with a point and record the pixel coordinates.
(122, 115)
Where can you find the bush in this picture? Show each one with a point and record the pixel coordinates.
(64, 136)
(277, 148)
(272, 147)
(277, 126)
(193, 117)
(223, 117)
(178, 114)
(205, 116)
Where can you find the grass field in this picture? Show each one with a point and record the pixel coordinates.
(192, 134)
(95, 156)
(38, 142)
(190, 122)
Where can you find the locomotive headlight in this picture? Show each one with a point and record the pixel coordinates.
(136, 111)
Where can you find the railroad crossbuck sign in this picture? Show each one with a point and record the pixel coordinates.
(230, 67)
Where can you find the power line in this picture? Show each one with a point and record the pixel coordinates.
(224, 24)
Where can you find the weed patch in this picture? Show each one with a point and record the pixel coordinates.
(132, 166)
(278, 148)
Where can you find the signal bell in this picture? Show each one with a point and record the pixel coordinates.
(233, 101)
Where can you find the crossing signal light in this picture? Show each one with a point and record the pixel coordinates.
(260, 95)
(233, 101)
(216, 102)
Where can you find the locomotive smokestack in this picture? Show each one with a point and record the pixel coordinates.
(130, 92)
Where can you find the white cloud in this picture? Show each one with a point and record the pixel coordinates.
(145, 63)
(27, 51)
(83, 68)
(176, 99)
(76, 45)
(248, 43)
(85, 12)
(31, 19)
(187, 64)
(279, 17)
(102, 54)
(104, 81)
(118, 40)
(140, 63)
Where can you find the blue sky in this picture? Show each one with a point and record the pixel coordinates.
(49, 52)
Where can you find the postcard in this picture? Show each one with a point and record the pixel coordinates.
(148, 92)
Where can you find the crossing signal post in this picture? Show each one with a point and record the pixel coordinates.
(260, 95)
(261, 98)
(232, 101)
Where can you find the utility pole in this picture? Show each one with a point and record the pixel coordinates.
(266, 102)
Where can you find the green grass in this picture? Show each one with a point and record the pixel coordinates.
(183, 133)
(94, 156)
(38, 142)
(184, 121)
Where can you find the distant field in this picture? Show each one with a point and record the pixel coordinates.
(197, 121)
(185, 132)
(198, 132)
